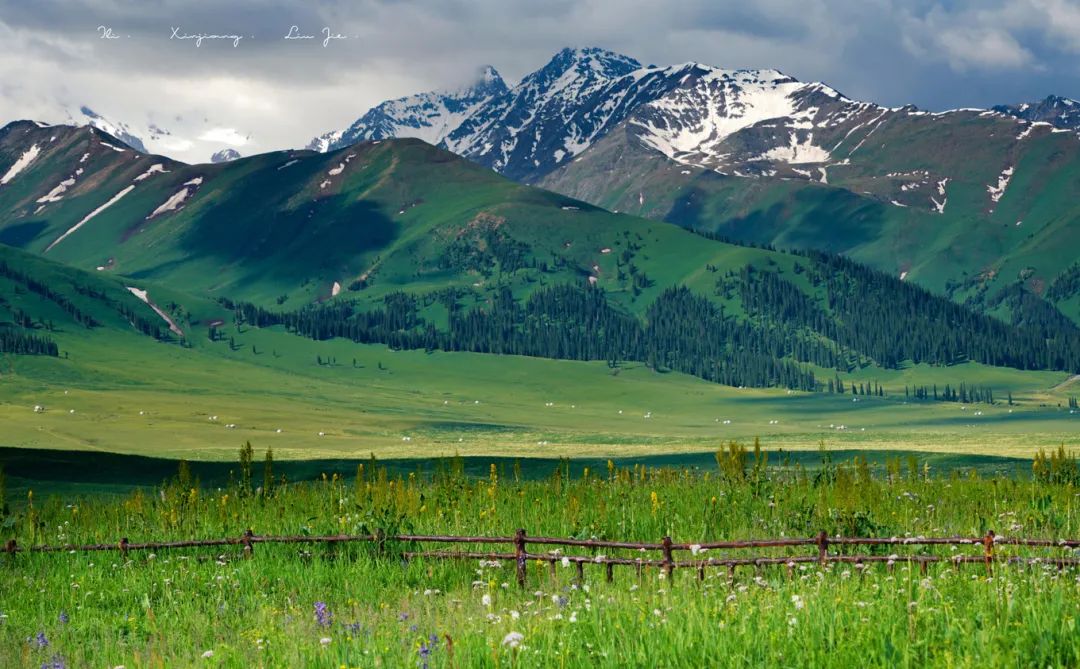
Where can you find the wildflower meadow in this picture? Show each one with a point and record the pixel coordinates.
(364, 604)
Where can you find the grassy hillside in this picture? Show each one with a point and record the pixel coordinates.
(139, 375)
(911, 197)
(113, 388)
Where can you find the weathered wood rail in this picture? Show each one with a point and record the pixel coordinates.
(665, 562)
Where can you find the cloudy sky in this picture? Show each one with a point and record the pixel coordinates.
(268, 92)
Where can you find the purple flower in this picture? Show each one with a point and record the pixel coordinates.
(402, 617)
(56, 662)
(424, 651)
(64, 617)
(322, 615)
(353, 628)
(39, 640)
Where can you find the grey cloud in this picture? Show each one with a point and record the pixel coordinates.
(933, 53)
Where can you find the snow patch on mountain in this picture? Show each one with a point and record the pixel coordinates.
(996, 192)
(798, 151)
(20, 164)
(145, 297)
(57, 193)
(174, 201)
(939, 207)
(113, 200)
(156, 168)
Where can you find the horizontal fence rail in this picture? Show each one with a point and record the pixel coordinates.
(666, 548)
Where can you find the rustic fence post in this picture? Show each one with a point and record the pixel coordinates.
(823, 547)
(124, 547)
(551, 569)
(669, 563)
(380, 542)
(701, 572)
(519, 556)
(610, 569)
(580, 572)
(249, 550)
(988, 552)
(10, 547)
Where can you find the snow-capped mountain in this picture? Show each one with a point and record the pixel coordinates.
(224, 156)
(428, 116)
(120, 131)
(688, 112)
(1057, 111)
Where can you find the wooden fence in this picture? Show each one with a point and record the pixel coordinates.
(666, 562)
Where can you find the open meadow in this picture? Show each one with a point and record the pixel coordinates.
(362, 604)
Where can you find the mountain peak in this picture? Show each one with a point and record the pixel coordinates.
(224, 156)
(1061, 112)
(118, 130)
(487, 82)
(585, 59)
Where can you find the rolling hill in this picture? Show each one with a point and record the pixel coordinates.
(472, 314)
(398, 242)
(969, 203)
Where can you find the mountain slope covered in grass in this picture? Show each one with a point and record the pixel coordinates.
(969, 203)
(399, 243)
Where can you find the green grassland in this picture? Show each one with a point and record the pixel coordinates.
(358, 605)
(430, 222)
(473, 404)
(113, 389)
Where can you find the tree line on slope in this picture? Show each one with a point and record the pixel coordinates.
(858, 317)
(681, 332)
(866, 312)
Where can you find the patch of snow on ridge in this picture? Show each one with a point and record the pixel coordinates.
(25, 159)
(723, 102)
(113, 200)
(114, 148)
(1003, 182)
(335, 289)
(1026, 132)
(174, 201)
(142, 295)
(334, 171)
(939, 207)
(197, 181)
(57, 193)
(798, 152)
(156, 168)
(291, 162)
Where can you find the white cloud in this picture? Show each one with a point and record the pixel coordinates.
(224, 136)
(990, 48)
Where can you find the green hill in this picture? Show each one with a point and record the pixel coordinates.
(967, 204)
(362, 294)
